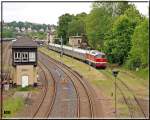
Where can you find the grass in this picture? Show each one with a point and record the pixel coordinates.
(27, 88)
(104, 80)
(143, 73)
(13, 105)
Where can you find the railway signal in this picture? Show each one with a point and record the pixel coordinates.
(115, 73)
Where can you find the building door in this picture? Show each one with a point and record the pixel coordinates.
(24, 81)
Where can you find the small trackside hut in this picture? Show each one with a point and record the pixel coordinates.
(24, 62)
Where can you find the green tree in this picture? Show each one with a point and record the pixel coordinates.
(98, 22)
(114, 8)
(20, 25)
(39, 35)
(138, 56)
(13, 24)
(27, 25)
(62, 29)
(76, 27)
(134, 15)
(44, 27)
(118, 42)
(8, 33)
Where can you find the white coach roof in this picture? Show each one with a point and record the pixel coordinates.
(70, 48)
(92, 52)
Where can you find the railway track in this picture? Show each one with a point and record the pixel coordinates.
(51, 105)
(135, 98)
(57, 82)
(46, 97)
(81, 87)
(128, 99)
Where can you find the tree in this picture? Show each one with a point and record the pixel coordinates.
(114, 8)
(44, 27)
(77, 25)
(138, 56)
(133, 14)
(98, 22)
(20, 25)
(118, 42)
(13, 24)
(8, 33)
(62, 29)
(27, 25)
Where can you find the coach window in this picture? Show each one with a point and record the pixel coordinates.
(31, 56)
(24, 56)
(17, 57)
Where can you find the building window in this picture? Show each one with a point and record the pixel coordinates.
(17, 57)
(78, 41)
(31, 56)
(24, 56)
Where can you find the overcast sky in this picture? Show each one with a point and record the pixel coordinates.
(49, 12)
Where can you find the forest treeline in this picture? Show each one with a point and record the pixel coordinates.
(116, 28)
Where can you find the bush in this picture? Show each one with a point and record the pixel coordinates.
(138, 56)
(134, 63)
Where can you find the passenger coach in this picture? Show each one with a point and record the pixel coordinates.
(92, 57)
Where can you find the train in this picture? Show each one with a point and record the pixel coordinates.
(92, 57)
(39, 42)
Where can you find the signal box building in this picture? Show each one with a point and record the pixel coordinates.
(75, 41)
(24, 61)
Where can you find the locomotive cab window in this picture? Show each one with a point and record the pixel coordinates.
(32, 57)
(100, 56)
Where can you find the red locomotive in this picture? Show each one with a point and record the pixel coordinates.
(96, 58)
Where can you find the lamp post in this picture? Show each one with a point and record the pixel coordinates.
(115, 73)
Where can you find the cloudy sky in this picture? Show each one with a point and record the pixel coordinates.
(49, 12)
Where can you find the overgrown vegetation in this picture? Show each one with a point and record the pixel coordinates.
(138, 56)
(39, 35)
(8, 33)
(13, 105)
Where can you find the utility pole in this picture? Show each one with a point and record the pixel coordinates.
(61, 46)
(72, 52)
(88, 48)
(115, 73)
